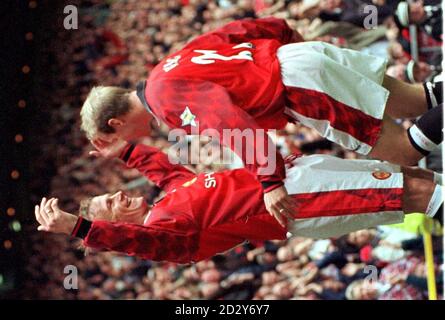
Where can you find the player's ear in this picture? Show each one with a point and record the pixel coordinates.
(114, 123)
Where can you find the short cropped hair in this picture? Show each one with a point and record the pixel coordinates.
(101, 105)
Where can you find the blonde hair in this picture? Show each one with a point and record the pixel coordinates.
(101, 105)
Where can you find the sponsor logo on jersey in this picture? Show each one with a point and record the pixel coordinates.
(210, 181)
(381, 175)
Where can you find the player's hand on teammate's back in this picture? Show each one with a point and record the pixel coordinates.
(107, 149)
(280, 205)
(52, 219)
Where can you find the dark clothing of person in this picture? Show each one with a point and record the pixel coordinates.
(353, 11)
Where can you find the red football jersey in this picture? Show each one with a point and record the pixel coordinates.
(227, 79)
(200, 216)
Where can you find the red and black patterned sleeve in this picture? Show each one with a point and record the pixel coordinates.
(155, 166)
(147, 242)
(249, 29)
(259, 153)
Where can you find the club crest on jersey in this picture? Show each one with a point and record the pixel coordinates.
(188, 118)
(381, 175)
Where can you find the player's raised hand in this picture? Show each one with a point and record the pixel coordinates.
(280, 205)
(52, 219)
(107, 149)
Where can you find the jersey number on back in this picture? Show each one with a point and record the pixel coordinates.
(209, 56)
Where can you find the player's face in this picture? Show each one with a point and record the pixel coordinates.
(119, 207)
(136, 123)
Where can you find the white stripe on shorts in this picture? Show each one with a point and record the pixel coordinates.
(322, 173)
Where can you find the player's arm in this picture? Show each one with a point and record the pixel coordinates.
(214, 113)
(209, 110)
(149, 161)
(249, 29)
(155, 166)
(148, 242)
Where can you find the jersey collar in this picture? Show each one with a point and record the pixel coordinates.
(140, 92)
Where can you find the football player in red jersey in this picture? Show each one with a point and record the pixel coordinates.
(258, 74)
(202, 215)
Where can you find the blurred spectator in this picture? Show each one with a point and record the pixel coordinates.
(391, 284)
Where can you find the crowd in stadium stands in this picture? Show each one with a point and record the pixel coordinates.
(118, 43)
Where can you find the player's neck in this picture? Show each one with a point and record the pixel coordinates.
(136, 105)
